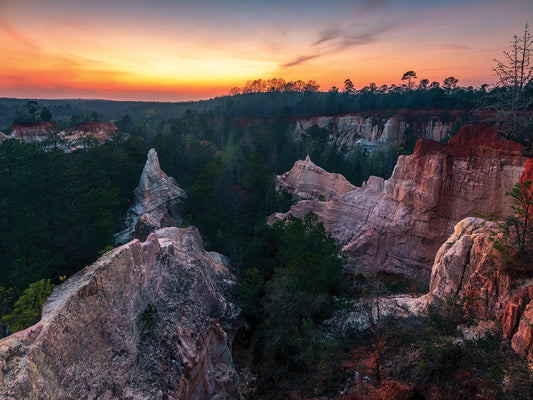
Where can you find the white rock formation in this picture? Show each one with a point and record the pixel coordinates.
(155, 202)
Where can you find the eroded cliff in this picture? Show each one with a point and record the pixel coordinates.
(310, 182)
(156, 201)
(469, 267)
(397, 225)
(381, 130)
(36, 132)
(94, 342)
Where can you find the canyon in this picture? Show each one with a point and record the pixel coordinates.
(397, 225)
(155, 317)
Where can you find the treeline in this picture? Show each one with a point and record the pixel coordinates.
(268, 97)
(58, 211)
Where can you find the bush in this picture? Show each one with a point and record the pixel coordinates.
(27, 309)
(148, 320)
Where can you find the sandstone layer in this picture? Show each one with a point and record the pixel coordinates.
(397, 225)
(468, 266)
(308, 181)
(156, 201)
(94, 341)
(36, 132)
(381, 131)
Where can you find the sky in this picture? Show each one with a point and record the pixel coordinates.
(173, 50)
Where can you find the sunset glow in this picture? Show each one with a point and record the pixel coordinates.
(167, 50)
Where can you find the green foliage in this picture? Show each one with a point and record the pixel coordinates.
(251, 291)
(444, 315)
(518, 227)
(45, 115)
(148, 320)
(59, 209)
(7, 297)
(299, 294)
(27, 309)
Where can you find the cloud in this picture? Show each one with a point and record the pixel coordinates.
(300, 60)
(328, 35)
(370, 5)
(333, 40)
(16, 36)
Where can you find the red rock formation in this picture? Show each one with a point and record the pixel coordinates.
(32, 132)
(90, 341)
(101, 131)
(397, 225)
(468, 266)
(528, 171)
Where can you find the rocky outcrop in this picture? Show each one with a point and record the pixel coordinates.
(32, 132)
(380, 130)
(156, 201)
(36, 132)
(310, 182)
(146, 321)
(468, 266)
(397, 225)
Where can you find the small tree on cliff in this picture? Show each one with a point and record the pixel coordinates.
(27, 309)
(518, 227)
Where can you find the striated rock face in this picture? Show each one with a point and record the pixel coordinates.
(36, 132)
(31, 132)
(380, 131)
(91, 342)
(310, 182)
(156, 198)
(468, 266)
(397, 225)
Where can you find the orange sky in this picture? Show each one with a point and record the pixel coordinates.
(170, 50)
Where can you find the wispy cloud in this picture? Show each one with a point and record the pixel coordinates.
(300, 60)
(328, 35)
(16, 36)
(370, 5)
(334, 39)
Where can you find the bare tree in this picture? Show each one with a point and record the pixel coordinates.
(514, 73)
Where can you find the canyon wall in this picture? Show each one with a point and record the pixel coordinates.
(397, 225)
(382, 131)
(36, 132)
(98, 338)
(468, 266)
